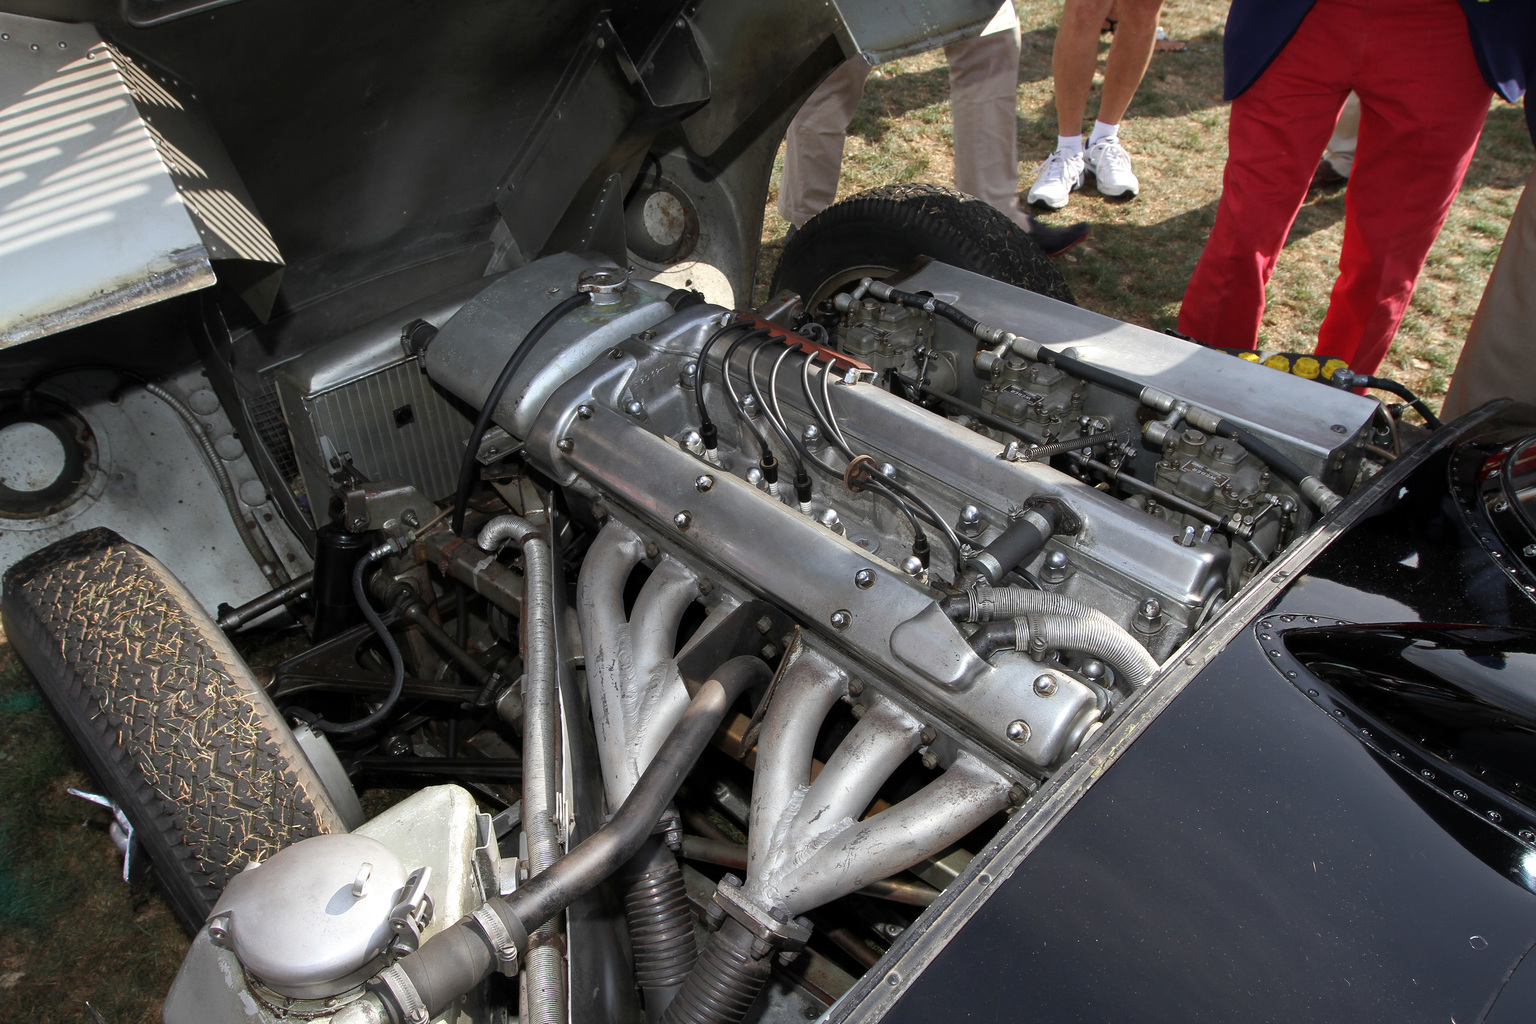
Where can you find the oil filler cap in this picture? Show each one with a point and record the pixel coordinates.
(314, 919)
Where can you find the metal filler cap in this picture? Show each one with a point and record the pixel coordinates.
(312, 921)
(606, 284)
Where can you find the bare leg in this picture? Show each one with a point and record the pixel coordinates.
(1129, 55)
(1076, 56)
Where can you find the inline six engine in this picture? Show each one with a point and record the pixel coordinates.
(899, 556)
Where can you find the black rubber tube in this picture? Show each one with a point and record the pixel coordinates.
(396, 662)
(1014, 546)
(456, 959)
(483, 421)
(1401, 391)
(991, 637)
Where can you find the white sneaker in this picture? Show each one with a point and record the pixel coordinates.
(1111, 166)
(1060, 175)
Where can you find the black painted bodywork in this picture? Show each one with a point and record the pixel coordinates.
(1281, 844)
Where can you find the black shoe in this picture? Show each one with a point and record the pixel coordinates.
(1325, 178)
(1054, 241)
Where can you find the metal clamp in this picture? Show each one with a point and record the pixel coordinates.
(499, 937)
(411, 914)
(771, 930)
(397, 984)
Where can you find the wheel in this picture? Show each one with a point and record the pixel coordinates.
(876, 233)
(167, 716)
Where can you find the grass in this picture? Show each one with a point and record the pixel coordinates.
(72, 933)
(1141, 253)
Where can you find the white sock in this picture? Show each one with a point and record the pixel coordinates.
(1102, 131)
(1072, 145)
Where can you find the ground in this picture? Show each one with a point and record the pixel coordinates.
(72, 933)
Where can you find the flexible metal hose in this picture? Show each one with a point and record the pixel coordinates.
(660, 924)
(726, 981)
(544, 965)
(1055, 621)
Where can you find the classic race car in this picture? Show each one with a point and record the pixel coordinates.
(906, 643)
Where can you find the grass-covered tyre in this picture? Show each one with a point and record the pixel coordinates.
(881, 231)
(166, 715)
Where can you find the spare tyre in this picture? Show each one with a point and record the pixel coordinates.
(165, 713)
(881, 231)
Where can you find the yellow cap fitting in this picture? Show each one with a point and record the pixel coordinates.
(1278, 362)
(1306, 367)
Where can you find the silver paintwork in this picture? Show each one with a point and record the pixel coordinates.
(150, 483)
(104, 208)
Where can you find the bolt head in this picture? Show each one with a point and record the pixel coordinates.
(584, 411)
(1018, 730)
(1151, 608)
(888, 471)
(842, 619)
(565, 444)
(1056, 560)
(755, 476)
(633, 407)
(912, 565)
(811, 434)
(651, 551)
(970, 515)
(683, 520)
(864, 578)
(1045, 686)
(749, 403)
(704, 482)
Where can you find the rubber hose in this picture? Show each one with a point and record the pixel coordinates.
(396, 662)
(726, 981)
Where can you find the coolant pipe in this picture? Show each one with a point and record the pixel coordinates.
(462, 955)
(1045, 621)
(544, 966)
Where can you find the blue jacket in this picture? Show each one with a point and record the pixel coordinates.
(1503, 37)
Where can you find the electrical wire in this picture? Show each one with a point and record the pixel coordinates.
(483, 421)
(707, 429)
(730, 389)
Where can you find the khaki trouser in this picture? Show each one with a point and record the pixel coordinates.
(1499, 357)
(983, 91)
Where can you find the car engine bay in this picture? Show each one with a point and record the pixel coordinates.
(778, 615)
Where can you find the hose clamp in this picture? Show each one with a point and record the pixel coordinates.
(395, 985)
(498, 937)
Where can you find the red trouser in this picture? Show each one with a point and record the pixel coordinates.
(1422, 106)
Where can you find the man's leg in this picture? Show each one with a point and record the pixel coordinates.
(1074, 59)
(1498, 359)
(1129, 54)
(983, 97)
(1276, 136)
(1422, 106)
(813, 151)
